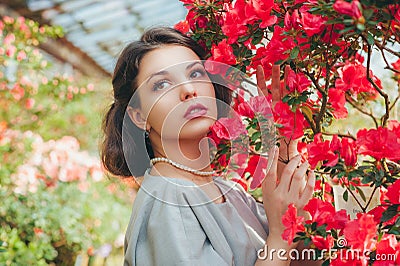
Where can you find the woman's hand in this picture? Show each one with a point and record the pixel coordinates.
(295, 185)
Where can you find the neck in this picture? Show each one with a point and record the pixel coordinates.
(193, 153)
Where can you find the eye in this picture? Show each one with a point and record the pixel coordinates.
(160, 85)
(197, 73)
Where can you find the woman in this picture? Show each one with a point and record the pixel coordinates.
(183, 214)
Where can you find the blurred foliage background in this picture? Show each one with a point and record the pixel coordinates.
(57, 206)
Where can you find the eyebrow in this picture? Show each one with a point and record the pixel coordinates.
(163, 72)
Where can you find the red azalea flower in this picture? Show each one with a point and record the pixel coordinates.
(292, 223)
(235, 21)
(361, 232)
(292, 123)
(394, 126)
(340, 220)
(292, 21)
(223, 53)
(244, 109)
(379, 143)
(323, 151)
(321, 212)
(238, 163)
(277, 49)
(312, 24)
(388, 248)
(256, 105)
(257, 167)
(228, 128)
(393, 192)
(182, 26)
(337, 99)
(353, 77)
(297, 82)
(351, 9)
(396, 66)
(323, 243)
(261, 10)
(349, 151)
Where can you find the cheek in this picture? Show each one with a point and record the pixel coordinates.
(161, 113)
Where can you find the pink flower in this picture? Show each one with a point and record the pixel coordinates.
(29, 103)
(17, 92)
(228, 128)
(257, 167)
(256, 105)
(21, 56)
(10, 51)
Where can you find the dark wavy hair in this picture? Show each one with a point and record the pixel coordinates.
(124, 85)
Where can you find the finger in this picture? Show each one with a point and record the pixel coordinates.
(308, 190)
(261, 85)
(276, 84)
(270, 180)
(287, 174)
(298, 181)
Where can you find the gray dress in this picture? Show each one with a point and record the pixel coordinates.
(174, 222)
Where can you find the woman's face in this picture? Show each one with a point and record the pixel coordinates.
(177, 98)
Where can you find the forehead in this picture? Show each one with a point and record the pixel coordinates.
(162, 58)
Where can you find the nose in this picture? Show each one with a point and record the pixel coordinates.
(188, 91)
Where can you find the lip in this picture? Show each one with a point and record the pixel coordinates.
(202, 110)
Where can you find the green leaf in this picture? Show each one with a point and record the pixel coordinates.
(326, 263)
(368, 13)
(370, 39)
(258, 146)
(346, 196)
(361, 193)
(294, 53)
(361, 27)
(286, 98)
(390, 212)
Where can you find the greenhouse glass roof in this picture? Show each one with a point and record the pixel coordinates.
(101, 28)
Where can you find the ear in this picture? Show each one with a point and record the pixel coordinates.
(136, 116)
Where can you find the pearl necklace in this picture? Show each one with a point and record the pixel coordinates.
(181, 166)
